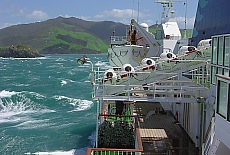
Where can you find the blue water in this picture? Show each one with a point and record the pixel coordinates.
(46, 105)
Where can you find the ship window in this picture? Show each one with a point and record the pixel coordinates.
(226, 51)
(214, 50)
(219, 71)
(220, 51)
(222, 98)
(213, 79)
(226, 72)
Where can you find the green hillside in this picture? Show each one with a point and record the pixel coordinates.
(63, 35)
(61, 40)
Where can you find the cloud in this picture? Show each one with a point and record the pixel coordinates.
(36, 14)
(116, 13)
(119, 15)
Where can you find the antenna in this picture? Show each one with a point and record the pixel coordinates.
(138, 10)
(168, 12)
(185, 21)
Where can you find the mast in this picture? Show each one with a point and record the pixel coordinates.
(185, 22)
(138, 7)
(168, 12)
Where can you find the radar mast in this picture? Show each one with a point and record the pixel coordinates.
(168, 12)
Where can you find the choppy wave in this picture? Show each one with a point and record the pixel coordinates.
(71, 152)
(37, 114)
(22, 85)
(24, 58)
(78, 104)
(19, 106)
(63, 82)
(66, 81)
(6, 93)
(34, 124)
(100, 63)
(92, 139)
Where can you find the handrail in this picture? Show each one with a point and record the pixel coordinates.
(208, 130)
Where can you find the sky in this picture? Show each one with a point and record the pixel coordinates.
(13, 12)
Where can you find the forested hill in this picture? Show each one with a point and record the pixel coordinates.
(63, 35)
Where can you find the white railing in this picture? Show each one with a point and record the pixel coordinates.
(160, 90)
(116, 40)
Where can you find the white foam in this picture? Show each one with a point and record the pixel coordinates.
(78, 104)
(60, 59)
(22, 109)
(71, 152)
(84, 105)
(61, 97)
(38, 96)
(20, 113)
(100, 63)
(72, 81)
(84, 66)
(34, 124)
(25, 58)
(63, 82)
(22, 85)
(5, 93)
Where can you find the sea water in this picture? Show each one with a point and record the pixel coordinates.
(46, 105)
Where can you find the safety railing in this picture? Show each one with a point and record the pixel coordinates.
(114, 151)
(171, 90)
(116, 40)
(125, 84)
(208, 137)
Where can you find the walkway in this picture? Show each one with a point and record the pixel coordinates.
(160, 133)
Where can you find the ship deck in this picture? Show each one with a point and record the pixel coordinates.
(160, 133)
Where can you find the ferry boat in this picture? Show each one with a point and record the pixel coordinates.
(172, 101)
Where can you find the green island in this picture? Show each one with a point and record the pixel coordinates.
(19, 51)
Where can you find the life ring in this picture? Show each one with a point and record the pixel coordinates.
(147, 64)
